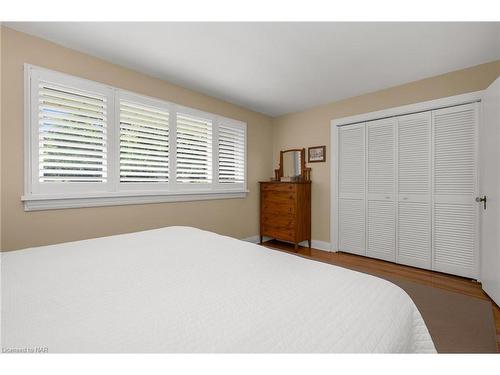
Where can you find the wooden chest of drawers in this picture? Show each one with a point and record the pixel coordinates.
(285, 211)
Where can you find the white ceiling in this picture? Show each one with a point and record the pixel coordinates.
(277, 68)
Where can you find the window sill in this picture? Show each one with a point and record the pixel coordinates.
(48, 202)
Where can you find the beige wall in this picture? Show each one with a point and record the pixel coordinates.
(312, 127)
(234, 217)
(266, 136)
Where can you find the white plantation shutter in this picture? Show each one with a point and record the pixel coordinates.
(194, 150)
(90, 144)
(72, 135)
(144, 143)
(231, 149)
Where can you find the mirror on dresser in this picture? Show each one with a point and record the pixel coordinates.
(292, 166)
(285, 202)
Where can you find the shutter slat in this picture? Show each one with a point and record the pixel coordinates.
(125, 150)
(50, 116)
(95, 109)
(70, 124)
(48, 136)
(71, 130)
(138, 138)
(62, 146)
(89, 115)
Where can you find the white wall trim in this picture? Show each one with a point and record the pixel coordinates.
(315, 244)
(54, 203)
(429, 105)
(449, 101)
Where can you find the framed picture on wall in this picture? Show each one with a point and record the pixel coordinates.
(316, 154)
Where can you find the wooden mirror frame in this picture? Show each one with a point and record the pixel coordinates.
(305, 173)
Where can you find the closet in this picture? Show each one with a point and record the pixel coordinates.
(406, 189)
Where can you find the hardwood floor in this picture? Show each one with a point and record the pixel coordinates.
(430, 278)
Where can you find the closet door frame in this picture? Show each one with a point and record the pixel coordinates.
(430, 105)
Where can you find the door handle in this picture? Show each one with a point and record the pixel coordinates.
(482, 199)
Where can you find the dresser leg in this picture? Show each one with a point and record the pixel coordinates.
(309, 243)
(296, 246)
(261, 239)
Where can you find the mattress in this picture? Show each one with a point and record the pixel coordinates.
(181, 289)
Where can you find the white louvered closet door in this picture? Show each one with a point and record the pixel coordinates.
(455, 247)
(380, 203)
(352, 189)
(414, 190)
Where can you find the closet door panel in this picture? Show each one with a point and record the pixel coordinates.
(352, 161)
(352, 226)
(454, 233)
(381, 230)
(455, 248)
(352, 236)
(380, 207)
(414, 190)
(414, 234)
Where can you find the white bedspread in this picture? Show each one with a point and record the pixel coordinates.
(181, 289)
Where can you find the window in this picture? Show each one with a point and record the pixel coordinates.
(71, 135)
(231, 154)
(90, 144)
(144, 147)
(194, 150)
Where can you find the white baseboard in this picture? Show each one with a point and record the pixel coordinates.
(316, 244)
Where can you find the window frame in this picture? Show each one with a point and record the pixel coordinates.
(113, 192)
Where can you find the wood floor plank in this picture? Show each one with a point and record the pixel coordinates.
(429, 278)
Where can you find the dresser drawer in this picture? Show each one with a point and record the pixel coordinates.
(286, 221)
(278, 232)
(284, 197)
(277, 208)
(278, 187)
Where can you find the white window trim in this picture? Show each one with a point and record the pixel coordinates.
(116, 193)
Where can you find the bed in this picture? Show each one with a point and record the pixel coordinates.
(181, 289)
